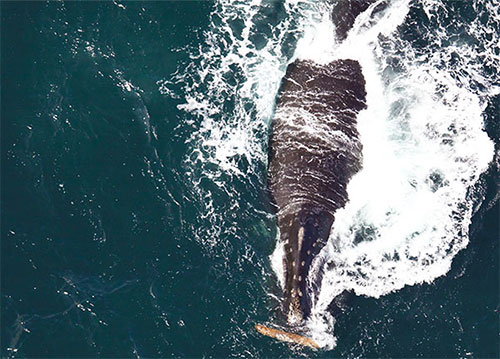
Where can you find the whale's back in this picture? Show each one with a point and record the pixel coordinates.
(314, 146)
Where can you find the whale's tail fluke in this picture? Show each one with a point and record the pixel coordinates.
(286, 336)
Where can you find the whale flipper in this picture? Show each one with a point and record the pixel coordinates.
(286, 336)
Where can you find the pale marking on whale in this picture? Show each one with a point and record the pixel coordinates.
(301, 237)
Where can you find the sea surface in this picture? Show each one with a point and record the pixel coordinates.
(135, 215)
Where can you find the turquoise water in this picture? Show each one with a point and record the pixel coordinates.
(133, 224)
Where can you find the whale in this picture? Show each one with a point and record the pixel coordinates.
(314, 151)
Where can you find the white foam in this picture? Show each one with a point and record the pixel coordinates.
(318, 41)
(277, 260)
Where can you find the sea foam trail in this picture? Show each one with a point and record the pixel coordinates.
(424, 146)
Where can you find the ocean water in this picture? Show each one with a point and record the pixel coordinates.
(135, 215)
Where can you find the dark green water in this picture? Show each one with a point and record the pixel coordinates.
(100, 222)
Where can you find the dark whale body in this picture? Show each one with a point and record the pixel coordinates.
(344, 13)
(314, 152)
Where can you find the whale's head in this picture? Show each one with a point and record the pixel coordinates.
(304, 234)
